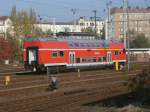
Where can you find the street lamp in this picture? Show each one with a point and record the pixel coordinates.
(74, 12)
(40, 25)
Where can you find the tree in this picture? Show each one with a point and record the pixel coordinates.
(23, 22)
(102, 33)
(48, 32)
(6, 49)
(23, 26)
(139, 41)
(139, 85)
(15, 22)
(88, 30)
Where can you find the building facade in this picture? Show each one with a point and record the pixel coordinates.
(90, 23)
(138, 21)
(5, 25)
(80, 25)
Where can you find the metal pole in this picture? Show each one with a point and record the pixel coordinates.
(128, 36)
(54, 31)
(74, 12)
(40, 24)
(137, 26)
(108, 21)
(95, 21)
(124, 23)
(108, 17)
(48, 73)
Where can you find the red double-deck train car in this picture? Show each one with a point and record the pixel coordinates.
(40, 53)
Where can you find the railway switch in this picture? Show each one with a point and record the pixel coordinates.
(79, 73)
(121, 67)
(7, 80)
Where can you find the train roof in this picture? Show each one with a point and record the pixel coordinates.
(69, 39)
(74, 42)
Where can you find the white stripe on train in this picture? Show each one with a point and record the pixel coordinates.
(76, 49)
(83, 64)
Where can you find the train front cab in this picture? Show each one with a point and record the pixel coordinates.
(120, 59)
(32, 58)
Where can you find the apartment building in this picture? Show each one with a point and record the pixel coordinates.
(138, 18)
(90, 23)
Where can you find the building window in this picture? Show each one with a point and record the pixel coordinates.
(76, 44)
(120, 16)
(54, 54)
(91, 24)
(121, 36)
(140, 29)
(61, 53)
(70, 45)
(121, 29)
(87, 24)
(81, 24)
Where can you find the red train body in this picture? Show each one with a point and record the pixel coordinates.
(40, 53)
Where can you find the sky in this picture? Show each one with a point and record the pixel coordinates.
(61, 9)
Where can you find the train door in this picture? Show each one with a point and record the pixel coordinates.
(72, 58)
(32, 55)
(109, 57)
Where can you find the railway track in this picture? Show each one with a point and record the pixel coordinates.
(42, 79)
(10, 70)
(73, 91)
(63, 100)
(83, 83)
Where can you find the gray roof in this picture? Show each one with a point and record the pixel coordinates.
(58, 23)
(3, 18)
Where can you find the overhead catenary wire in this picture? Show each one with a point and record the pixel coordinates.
(61, 6)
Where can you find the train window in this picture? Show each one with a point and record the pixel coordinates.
(76, 44)
(104, 58)
(83, 60)
(70, 45)
(94, 59)
(99, 59)
(116, 53)
(124, 51)
(93, 45)
(89, 60)
(61, 53)
(82, 44)
(97, 45)
(54, 53)
(87, 44)
(77, 60)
